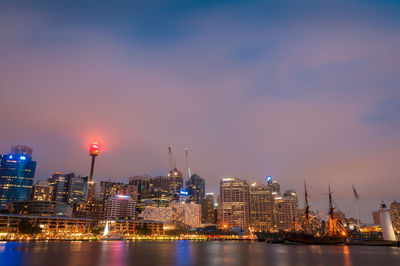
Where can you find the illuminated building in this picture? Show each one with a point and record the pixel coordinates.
(176, 181)
(207, 209)
(161, 182)
(285, 211)
(108, 189)
(130, 190)
(395, 215)
(141, 182)
(234, 203)
(196, 186)
(154, 197)
(50, 225)
(17, 171)
(261, 207)
(177, 213)
(158, 214)
(68, 188)
(274, 185)
(188, 213)
(120, 206)
(32, 207)
(93, 209)
(129, 227)
(42, 191)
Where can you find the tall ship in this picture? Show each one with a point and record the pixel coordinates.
(334, 233)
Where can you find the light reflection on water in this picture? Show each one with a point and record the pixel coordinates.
(119, 253)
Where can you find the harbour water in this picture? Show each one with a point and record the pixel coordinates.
(118, 253)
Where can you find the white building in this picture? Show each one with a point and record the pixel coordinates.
(120, 206)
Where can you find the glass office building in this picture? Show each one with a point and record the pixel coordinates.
(17, 171)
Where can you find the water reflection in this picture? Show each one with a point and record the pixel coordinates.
(120, 253)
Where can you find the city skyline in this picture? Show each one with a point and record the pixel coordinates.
(223, 78)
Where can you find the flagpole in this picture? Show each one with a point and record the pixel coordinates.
(358, 219)
(356, 198)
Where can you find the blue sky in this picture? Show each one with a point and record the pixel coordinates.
(296, 90)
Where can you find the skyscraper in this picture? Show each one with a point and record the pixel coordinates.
(207, 208)
(196, 186)
(109, 189)
(120, 207)
(395, 215)
(285, 211)
(161, 182)
(274, 185)
(261, 207)
(17, 171)
(68, 188)
(175, 181)
(235, 203)
(141, 182)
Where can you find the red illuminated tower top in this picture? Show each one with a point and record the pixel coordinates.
(94, 148)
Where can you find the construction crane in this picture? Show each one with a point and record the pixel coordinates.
(172, 163)
(187, 160)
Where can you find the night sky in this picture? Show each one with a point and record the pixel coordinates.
(292, 89)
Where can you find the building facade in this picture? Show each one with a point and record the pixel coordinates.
(207, 209)
(17, 170)
(234, 203)
(68, 188)
(286, 211)
(196, 186)
(120, 207)
(108, 189)
(42, 191)
(261, 207)
(395, 215)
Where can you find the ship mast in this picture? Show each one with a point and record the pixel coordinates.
(307, 209)
(332, 229)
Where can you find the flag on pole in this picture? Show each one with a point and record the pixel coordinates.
(355, 193)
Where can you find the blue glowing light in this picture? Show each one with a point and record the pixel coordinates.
(269, 179)
(184, 193)
(10, 156)
(22, 157)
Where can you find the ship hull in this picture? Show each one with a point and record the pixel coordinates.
(313, 240)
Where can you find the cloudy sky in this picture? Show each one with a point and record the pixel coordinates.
(292, 89)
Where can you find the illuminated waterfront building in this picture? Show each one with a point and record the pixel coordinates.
(42, 191)
(285, 211)
(68, 188)
(261, 207)
(234, 205)
(395, 215)
(207, 209)
(177, 213)
(108, 189)
(188, 213)
(120, 206)
(196, 186)
(17, 171)
(32, 207)
(158, 214)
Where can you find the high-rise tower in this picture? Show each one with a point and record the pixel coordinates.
(17, 171)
